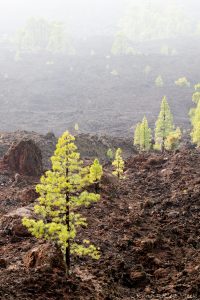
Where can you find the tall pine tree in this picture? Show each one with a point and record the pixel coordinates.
(164, 125)
(62, 191)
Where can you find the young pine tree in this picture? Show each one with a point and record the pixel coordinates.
(110, 154)
(118, 164)
(145, 136)
(96, 172)
(196, 95)
(196, 134)
(142, 136)
(164, 125)
(61, 193)
(136, 140)
(195, 116)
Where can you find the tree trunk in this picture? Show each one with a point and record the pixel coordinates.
(67, 250)
(67, 253)
(97, 187)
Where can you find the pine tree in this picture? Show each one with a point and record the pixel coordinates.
(110, 154)
(142, 135)
(76, 127)
(195, 116)
(118, 164)
(159, 81)
(196, 134)
(61, 192)
(145, 135)
(96, 172)
(136, 140)
(196, 95)
(195, 120)
(164, 125)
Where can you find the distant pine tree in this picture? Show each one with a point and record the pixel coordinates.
(195, 116)
(159, 81)
(196, 95)
(145, 135)
(196, 134)
(110, 154)
(164, 125)
(142, 136)
(136, 140)
(96, 172)
(118, 164)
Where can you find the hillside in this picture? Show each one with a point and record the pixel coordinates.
(104, 94)
(147, 227)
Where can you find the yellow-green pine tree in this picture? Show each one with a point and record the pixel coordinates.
(195, 116)
(164, 125)
(62, 191)
(136, 140)
(196, 134)
(118, 164)
(110, 154)
(145, 136)
(196, 95)
(96, 172)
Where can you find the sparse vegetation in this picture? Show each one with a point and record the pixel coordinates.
(182, 82)
(159, 81)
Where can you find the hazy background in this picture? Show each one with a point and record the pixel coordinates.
(83, 17)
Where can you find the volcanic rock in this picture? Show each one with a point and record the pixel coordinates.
(45, 256)
(24, 158)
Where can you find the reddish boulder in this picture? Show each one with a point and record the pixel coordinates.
(24, 158)
(29, 195)
(11, 223)
(44, 256)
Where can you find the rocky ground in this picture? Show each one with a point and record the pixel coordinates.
(147, 227)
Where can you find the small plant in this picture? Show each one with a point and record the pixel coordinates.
(196, 95)
(96, 172)
(118, 164)
(114, 73)
(110, 154)
(62, 191)
(147, 70)
(182, 82)
(159, 81)
(76, 127)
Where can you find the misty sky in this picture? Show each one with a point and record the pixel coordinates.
(84, 17)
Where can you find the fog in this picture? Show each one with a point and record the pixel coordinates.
(83, 17)
(103, 64)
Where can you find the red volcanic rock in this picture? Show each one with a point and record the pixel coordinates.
(46, 255)
(24, 158)
(11, 223)
(29, 195)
